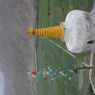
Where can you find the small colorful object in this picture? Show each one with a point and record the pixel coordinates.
(34, 73)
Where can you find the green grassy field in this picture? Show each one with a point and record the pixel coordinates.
(51, 12)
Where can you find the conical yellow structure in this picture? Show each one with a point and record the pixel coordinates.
(56, 32)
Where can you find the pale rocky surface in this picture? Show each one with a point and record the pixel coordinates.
(92, 59)
(17, 51)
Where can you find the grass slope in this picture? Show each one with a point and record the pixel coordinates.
(51, 12)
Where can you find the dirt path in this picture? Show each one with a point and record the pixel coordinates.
(17, 52)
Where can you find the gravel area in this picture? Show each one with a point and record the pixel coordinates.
(17, 52)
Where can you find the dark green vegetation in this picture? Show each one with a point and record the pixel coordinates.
(51, 12)
(90, 91)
